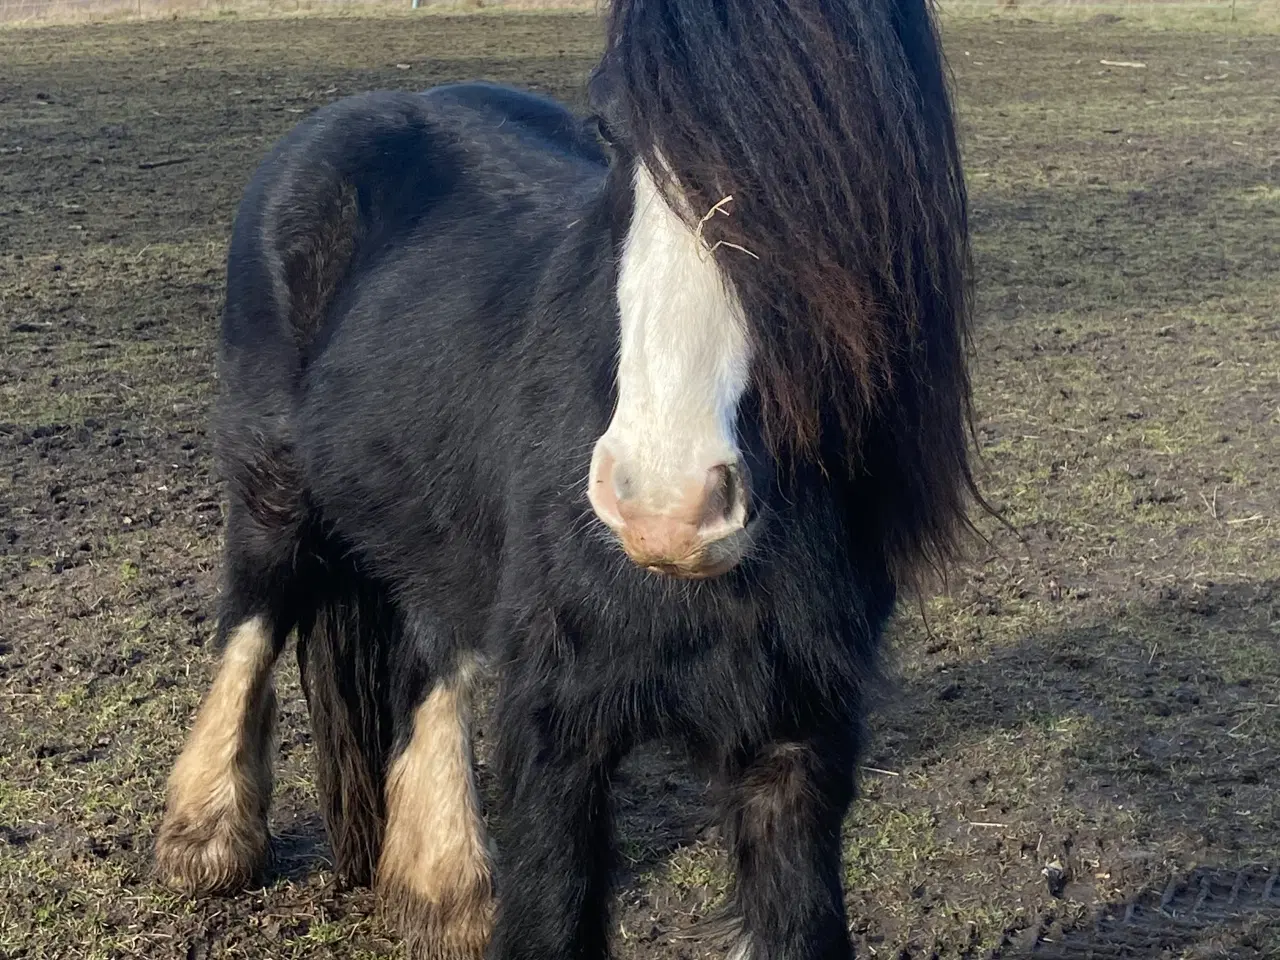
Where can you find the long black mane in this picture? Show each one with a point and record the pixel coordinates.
(829, 124)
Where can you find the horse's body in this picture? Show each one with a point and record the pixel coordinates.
(421, 348)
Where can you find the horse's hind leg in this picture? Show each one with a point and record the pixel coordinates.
(434, 872)
(214, 834)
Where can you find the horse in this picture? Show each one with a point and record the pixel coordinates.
(656, 412)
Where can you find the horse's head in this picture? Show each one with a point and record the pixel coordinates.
(798, 220)
(667, 476)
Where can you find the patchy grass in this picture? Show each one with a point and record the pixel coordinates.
(37, 13)
(1088, 711)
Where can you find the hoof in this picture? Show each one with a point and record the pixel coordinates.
(456, 928)
(215, 855)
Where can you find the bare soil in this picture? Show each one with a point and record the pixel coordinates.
(1077, 754)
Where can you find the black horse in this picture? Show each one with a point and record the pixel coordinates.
(657, 413)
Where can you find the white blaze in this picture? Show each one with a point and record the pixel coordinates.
(684, 360)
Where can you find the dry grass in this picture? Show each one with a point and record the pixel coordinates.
(47, 12)
(1239, 14)
(1244, 16)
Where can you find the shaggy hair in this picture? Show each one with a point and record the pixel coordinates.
(419, 350)
(846, 238)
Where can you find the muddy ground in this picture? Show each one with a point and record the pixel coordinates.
(1079, 750)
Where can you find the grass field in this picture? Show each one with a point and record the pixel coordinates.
(1089, 716)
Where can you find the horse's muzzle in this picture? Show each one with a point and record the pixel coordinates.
(699, 532)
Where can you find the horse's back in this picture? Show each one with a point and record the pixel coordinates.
(362, 175)
(382, 203)
(383, 269)
(525, 115)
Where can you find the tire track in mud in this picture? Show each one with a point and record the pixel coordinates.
(1180, 916)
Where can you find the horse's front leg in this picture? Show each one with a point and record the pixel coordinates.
(784, 803)
(555, 844)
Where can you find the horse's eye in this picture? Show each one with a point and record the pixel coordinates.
(604, 132)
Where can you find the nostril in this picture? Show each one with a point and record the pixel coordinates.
(600, 489)
(623, 485)
(722, 495)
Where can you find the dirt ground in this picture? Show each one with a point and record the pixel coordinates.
(1078, 754)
